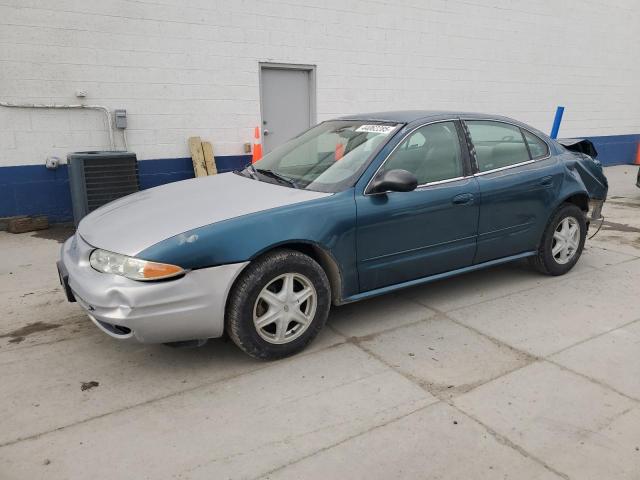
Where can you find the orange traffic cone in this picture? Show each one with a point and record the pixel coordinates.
(339, 151)
(637, 162)
(257, 146)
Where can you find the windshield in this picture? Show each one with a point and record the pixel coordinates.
(327, 158)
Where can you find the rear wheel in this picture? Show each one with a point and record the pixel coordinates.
(278, 305)
(562, 242)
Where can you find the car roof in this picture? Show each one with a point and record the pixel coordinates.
(409, 116)
(417, 116)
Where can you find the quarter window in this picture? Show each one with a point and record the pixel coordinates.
(497, 145)
(432, 153)
(537, 146)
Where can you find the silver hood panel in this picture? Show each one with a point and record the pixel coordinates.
(133, 223)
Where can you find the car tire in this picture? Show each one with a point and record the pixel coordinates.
(561, 247)
(278, 305)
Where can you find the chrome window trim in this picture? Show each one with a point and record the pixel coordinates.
(531, 160)
(366, 188)
(440, 182)
(493, 170)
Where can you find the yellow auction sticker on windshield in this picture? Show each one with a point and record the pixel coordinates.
(383, 129)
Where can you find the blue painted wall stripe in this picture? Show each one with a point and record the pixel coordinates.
(34, 190)
(616, 149)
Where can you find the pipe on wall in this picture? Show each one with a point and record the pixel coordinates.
(105, 110)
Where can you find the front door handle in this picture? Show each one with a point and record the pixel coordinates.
(463, 199)
(546, 181)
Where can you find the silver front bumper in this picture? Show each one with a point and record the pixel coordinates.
(187, 308)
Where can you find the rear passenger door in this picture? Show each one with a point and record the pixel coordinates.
(518, 180)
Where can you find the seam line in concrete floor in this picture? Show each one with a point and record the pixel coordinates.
(344, 440)
(495, 341)
(442, 398)
(597, 335)
(545, 358)
(356, 342)
(370, 336)
(592, 380)
(499, 438)
(324, 427)
(528, 289)
(259, 367)
(526, 357)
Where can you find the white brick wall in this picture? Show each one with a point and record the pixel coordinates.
(184, 68)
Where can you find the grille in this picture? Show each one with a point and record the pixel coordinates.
(97, 178)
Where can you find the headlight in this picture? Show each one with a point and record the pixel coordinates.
(133, 268)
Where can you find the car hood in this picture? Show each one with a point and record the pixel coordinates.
(138, 221)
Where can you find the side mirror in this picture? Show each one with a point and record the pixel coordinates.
(393, 181)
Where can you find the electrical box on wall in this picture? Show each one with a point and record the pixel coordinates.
(120, 116)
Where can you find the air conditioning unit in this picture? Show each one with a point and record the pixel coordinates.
(97, 178)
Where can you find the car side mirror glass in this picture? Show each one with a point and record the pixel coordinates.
(397, 180)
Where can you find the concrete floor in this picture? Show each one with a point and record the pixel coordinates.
(502, 373)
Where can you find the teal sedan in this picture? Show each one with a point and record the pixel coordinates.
(352, 208)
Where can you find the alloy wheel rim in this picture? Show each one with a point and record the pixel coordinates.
(566, 239)
(285, 308)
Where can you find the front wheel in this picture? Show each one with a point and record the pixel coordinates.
(278, 305)
(562, 241)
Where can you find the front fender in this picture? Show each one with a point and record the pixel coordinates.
(328, 223)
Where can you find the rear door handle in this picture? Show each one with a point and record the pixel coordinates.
(463, 199)
(546, 181)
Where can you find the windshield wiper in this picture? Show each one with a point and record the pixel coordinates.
(251, 170)
(277, 176)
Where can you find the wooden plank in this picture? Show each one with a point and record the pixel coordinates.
(209, 160)
(197, 156)
(27, 224)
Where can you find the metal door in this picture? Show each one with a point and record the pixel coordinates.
(286, 103)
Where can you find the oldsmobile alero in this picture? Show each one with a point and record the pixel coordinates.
(352, 208)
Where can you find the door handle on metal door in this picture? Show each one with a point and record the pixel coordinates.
(546, 181)
(463, 199)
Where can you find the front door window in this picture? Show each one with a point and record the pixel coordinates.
(432, 153)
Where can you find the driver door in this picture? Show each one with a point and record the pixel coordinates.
(403, 236)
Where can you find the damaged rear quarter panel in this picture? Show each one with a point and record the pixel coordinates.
(582, 175)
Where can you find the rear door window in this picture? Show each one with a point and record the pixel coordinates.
(537, 146)
(497, 144)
